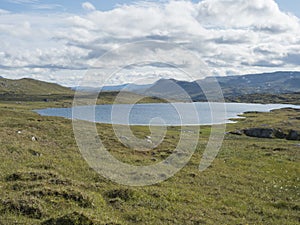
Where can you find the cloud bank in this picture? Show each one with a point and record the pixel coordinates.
(231, 37)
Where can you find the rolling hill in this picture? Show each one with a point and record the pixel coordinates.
(232, 86)
(28, 86)
(30, 89)
(235, 88)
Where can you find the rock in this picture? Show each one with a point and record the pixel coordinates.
(293, 135)
(236, 132)
(278, 133)
(34, 153)
(279, 149)
(259, 132)
(124, 138)
(268, 133)
(153, 159)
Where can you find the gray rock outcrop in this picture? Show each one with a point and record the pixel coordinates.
(278, 133)
(293, 135)
(259, 132)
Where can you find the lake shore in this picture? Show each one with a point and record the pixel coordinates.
(252, 180)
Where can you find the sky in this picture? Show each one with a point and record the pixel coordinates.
(61, 40)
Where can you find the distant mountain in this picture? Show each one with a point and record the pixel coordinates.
(232, 86)
(291, 98)
(97, 89)
(277, 82)
(29, 87)
(123, 87)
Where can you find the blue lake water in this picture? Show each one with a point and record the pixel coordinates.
(199, 113)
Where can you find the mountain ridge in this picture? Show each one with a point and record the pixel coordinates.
(280, 82)
(244, 80)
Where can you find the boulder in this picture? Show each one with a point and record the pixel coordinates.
(293, 135)
(278, 133)
(259, 132)
(236, 132)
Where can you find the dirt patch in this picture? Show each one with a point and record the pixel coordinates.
(70, 219)
(30, 176)
(67, 194)
(29, 207)
(52, 178)
(124, 193)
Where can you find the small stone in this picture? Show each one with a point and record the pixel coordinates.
(124, 137)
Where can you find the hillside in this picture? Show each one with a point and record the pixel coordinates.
(272, 83)
(232, 86)
(45, 180)
(290, 98)
(30, 89)
(28, 86)
(247, 88)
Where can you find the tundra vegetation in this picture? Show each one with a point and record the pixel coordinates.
(45, 180)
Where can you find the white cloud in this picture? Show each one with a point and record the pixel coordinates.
(2, 11)
(46, 6)
(88, 6)
(35, 4)
(247, 37)
(23, 1)
(255, 14)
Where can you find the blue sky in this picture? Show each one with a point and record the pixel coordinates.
(60, 40)
(292, 6)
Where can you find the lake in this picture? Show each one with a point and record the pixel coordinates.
(199, 113)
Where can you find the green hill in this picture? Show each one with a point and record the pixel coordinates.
(30, 89)
(45, 180)
(28, 86)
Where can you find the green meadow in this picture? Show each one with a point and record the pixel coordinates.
(45, 180)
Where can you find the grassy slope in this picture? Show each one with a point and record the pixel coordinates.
(32, 90)
(293, 98)
(27, 86)
(125, 97)
(35, 90)
(252, 181)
